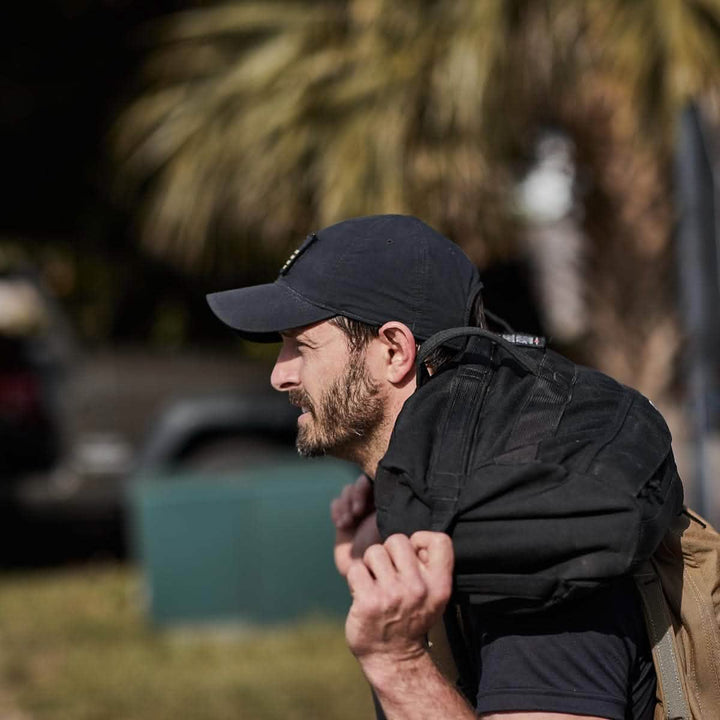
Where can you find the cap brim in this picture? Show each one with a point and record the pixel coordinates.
(261, 312)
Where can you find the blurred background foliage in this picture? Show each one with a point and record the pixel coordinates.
(221, 133)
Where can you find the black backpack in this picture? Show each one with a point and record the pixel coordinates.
(550, 477)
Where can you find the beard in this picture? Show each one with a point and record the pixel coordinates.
(345, 416)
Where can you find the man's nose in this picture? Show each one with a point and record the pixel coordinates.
(285, 375)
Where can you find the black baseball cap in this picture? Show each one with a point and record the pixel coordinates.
(373, 269)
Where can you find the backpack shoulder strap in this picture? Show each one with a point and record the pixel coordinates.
(450, 646)
(662, 640)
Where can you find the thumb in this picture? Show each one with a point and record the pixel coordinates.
(435, 552)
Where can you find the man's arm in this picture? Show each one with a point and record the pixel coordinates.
(353, 514)
(399, 591)
(416, 690)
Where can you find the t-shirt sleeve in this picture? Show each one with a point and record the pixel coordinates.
(591, 657)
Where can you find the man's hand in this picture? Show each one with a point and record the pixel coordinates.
(399, 591)
(353, 514)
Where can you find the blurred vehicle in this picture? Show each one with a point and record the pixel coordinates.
(220, 433)
(64, 483)
(32, 358)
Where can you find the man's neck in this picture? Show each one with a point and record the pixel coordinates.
(374, 447)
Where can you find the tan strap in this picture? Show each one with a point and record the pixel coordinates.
(661, 634)
(440, 652)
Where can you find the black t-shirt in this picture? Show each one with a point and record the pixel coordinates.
(591, 657)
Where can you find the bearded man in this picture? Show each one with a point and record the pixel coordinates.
(350, 307)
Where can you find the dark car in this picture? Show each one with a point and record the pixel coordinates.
(34, 352)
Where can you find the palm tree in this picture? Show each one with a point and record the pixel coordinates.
(291, 115)
(261, 121)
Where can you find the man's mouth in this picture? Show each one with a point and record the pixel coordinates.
(302, 403)
(306, 415)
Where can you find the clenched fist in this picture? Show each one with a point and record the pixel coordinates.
(399, 590)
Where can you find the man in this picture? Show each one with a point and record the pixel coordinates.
(350, 306)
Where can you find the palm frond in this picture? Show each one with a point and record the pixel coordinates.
(260, 121)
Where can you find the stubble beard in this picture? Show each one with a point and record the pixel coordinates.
(345, 418)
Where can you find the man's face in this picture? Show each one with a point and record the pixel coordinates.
(342, 404)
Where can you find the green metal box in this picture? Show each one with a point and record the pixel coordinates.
(256, 547)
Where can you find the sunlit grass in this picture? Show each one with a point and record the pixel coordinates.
(75, 645)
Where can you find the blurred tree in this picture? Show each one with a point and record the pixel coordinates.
(267, 119)
(257, 122)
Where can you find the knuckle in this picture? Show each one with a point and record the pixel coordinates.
(353, 572)
(432, 538)
(392, 598)
(356, 590)
(374, 604)
(418, 590)
(397, 540)
(365, 603)
(373, 552)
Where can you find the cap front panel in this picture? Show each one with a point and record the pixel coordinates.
(385, 268)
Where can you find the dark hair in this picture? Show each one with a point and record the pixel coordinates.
(359, 334)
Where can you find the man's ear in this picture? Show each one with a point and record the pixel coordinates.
(399, 350)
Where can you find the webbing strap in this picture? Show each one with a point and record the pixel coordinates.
(660, 632)
(449, 647)
(447, 471)
(440, 338)
(441, 653)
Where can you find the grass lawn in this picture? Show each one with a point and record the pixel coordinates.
(74, 645)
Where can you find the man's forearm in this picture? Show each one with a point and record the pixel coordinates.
(414, 689)
(400, 590)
